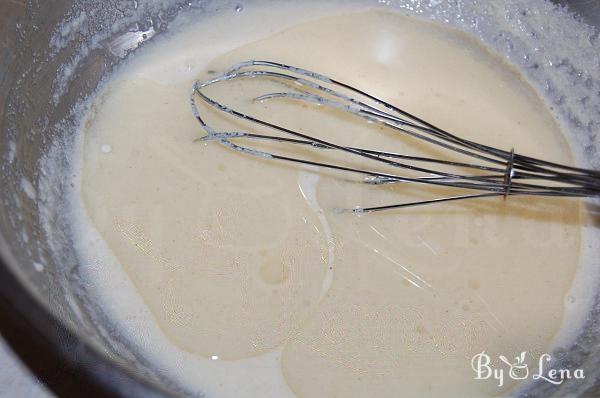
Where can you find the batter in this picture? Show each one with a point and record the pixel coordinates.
(251, 276)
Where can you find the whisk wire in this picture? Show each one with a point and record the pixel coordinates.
(512, 174)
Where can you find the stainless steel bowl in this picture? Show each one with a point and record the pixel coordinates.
(47, 315)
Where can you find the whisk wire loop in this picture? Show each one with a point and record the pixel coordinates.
(495, 172)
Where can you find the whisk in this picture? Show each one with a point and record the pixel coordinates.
(489, 172)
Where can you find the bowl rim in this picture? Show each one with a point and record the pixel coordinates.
(61, 350)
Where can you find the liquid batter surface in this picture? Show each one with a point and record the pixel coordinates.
(244, 263)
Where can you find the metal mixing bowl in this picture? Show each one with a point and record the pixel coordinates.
(49, 310)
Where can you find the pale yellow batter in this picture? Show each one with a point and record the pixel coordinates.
(233, 257)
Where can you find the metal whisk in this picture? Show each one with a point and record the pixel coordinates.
(489, 171)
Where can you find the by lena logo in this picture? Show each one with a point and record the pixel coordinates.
(518, 369)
